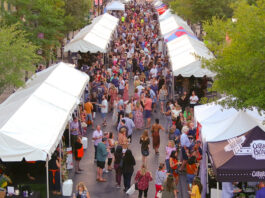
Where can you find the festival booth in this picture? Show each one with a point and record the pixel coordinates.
(172, 23)
(115, 6)
(94, 39)
(34, 118)
(185, 52)
(233, 140)
(165, 15)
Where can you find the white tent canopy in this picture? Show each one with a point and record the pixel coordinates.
(158, 3)
(115, 5)
(172, 23)
(183, 51)
(94, 37)
(220, 124)
(165, 15)
(33, 119)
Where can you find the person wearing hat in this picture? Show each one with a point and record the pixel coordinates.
(102, 153)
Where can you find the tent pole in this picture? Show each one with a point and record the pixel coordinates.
(60, 145)
(47, 176)
(69, 134)
(173, 85)
(207, 179)
(217, 190)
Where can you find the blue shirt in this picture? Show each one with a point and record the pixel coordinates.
(184, 140)
(101, 152)
(129, 124)
(260, 193)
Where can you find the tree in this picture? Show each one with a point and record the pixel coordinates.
(43, 20)
(17, 55)
(239, 49)
(77, 13)
(200, 10)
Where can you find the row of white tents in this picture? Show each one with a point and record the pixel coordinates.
(184, 52)
(115, 6)
(94, 37)
(34, 118)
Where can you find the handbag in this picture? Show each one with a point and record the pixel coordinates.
(159, 194)
(131, 190)
(145, 152)
(112, 150)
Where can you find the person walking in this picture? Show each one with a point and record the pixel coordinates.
(145, 142)
(169, 189)
(96, 137)
(138, 117)
(155, 134)
(148, 109)
(102, 153)
(88, 106)
(173, 162)
(162, 97)
(104, 109)
(126, 92)
(161, 175)
(130, 125)
(111, 143)
(81, 191)
(118, 164)
(122, 139)
(169, 148)
(128, 168)
(142, 178)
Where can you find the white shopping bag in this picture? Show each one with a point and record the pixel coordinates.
(159, 194)
(131, 190)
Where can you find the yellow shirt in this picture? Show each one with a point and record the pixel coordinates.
(195, 193)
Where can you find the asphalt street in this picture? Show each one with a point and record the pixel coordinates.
(108, 189)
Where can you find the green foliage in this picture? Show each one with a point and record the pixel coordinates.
(200, 10)
(17, 55)
(77, 12)
(240, 61)
(39, 16)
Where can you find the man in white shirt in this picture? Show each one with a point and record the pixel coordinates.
(153, 72)
(121, 85)
(140, 88)
(104, 109)
(97, 137)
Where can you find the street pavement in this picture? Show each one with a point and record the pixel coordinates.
(108, 189)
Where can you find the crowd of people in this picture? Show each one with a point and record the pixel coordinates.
(137, 62)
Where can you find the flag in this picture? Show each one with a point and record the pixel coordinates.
(177, 33)
(161, 10)
(198, 131)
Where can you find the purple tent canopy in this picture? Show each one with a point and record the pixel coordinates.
(241, 158)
